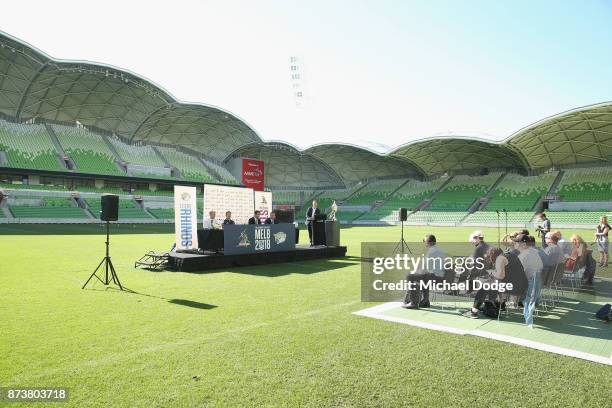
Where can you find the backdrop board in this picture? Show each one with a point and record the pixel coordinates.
(185, 217)
(238, 200)
(251, 239)
(263, 203)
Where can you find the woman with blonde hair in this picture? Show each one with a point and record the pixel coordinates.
(601, 237)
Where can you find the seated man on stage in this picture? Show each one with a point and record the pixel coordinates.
(433, 270)
(209, 222)
(255, 218)
(272, 219)
(310, 217)
(228, 219)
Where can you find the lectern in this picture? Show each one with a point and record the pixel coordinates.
(318, 230)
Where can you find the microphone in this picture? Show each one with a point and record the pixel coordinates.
(497, 211)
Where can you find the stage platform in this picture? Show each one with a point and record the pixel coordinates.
(188, 262)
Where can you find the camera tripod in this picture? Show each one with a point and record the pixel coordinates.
(109, 270)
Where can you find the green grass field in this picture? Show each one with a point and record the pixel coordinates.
(279, 335)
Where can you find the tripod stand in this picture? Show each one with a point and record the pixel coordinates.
(402, 245)
(109, 269)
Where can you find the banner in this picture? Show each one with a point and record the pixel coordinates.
(185, 217)
(263, 203)
(253, 174)
(238, 200)
(251, 239)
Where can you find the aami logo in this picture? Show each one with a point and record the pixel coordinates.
(263, 200)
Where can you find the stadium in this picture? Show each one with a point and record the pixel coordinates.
(286, 333)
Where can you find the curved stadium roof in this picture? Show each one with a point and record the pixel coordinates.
(34, 85)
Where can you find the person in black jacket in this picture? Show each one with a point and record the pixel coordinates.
(272, 219)
(312, 212)
(255, 218)
(228, 219)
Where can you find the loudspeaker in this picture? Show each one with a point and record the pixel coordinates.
(403, 213)
(110, 207)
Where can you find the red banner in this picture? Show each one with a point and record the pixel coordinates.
(253, 174)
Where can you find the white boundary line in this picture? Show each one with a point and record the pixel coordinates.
(375, 312)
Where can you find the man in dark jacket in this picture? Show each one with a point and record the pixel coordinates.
(228, 219)
(310, 218)
(272, 219)
(255, 218)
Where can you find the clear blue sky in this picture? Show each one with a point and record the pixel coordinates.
(378, 71)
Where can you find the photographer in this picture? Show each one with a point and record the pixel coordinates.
(543, 229)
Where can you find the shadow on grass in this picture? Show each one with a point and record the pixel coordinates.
(181, 302)
(286, 268)
(191, 303)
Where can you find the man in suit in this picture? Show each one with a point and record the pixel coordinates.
(272, 219)
(228, 219)
(312, 212)
(255, 218)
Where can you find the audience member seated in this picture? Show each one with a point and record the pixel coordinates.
(532, 264)
(228, 219)
(434, 259)
(209, 222)
(272, 219)
(507, 269)
(255, 218)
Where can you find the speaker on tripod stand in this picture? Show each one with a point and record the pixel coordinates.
(109, 204)
(402, 245)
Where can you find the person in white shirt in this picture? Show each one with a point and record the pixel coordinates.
(209, 222)
(432, 270)
(532, 264)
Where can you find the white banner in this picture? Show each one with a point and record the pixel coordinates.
(238, 200)
(185, 217)
(263, 203)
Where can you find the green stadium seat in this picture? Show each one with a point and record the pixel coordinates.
(594, 184)
(88, 151)
(587, 218)
(49, 207)
(190, 167)
(461, 192)
(490, 217)
(520, 193)
(28, 147)
(374, 191)
(408, 196)
(133, 154)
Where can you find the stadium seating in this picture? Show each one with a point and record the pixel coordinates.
(594, 184)
(189, 166)
(162, 213)
(286, 197)
(225, 176)
(39, 187)
(408, 196)
(433, 217)
(143, 155)
(88, 151)
(462, 191)
(49, 207)
(590, 218)
(490, 217)
(127, 209)
(374, 191)
(520, 193)
(28, 147)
